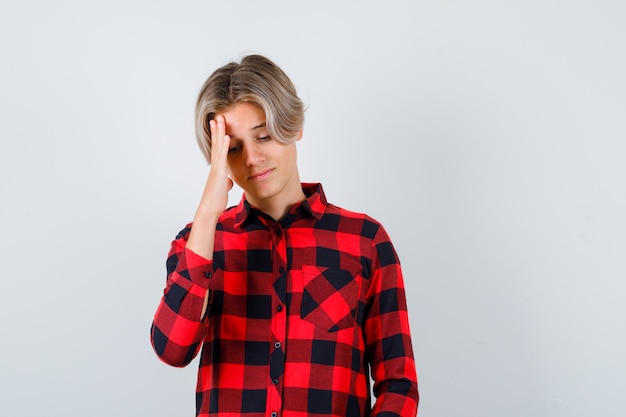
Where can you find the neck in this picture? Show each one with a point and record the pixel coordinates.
(278, 205)
(278, 210)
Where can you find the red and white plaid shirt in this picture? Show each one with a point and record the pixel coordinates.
(299, 312)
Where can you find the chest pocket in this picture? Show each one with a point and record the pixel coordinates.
(329, 298)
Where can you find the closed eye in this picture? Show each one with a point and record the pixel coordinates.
(239, 146)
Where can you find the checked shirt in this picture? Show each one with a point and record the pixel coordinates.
(300, 312)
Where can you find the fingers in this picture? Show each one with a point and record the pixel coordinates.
(218, 184)
(220, 141)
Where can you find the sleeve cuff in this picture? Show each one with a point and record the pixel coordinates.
(196, 268)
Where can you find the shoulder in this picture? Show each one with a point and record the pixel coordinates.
(354, 221)
(371, 233)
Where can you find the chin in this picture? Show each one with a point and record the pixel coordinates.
(260, 191)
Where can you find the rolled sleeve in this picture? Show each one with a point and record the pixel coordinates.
(177, 329)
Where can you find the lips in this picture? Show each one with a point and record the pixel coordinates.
(260, 175)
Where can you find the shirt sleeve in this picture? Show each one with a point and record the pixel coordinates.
(177, 329)
(387, 335)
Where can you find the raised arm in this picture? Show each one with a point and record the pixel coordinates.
(214, 198)
(180, 320)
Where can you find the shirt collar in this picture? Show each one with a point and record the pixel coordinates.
(315, 204)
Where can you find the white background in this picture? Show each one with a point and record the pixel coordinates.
(488, 137)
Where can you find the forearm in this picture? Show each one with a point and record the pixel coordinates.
(394, 374)
(202, 241)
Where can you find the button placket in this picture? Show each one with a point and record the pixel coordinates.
(278, 321)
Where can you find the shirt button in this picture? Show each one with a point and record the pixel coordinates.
(279, 308)
(275, 382)
(274, 414)
(277, 345)
(281, 269)
(208, 275)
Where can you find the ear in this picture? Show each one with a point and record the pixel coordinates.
(299, 136)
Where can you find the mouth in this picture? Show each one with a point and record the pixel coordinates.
(261, 175)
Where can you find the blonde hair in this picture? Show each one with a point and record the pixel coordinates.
(255, 80)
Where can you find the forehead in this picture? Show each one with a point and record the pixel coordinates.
(242, 118)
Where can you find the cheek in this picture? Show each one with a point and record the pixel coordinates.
(290, 156)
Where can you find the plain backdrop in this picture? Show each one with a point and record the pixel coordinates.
(487, 136)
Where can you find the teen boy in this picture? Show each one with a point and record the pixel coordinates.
(291, 300)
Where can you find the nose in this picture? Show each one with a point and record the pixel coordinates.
(252, 154)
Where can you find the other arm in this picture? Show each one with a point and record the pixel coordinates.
(387, 335)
